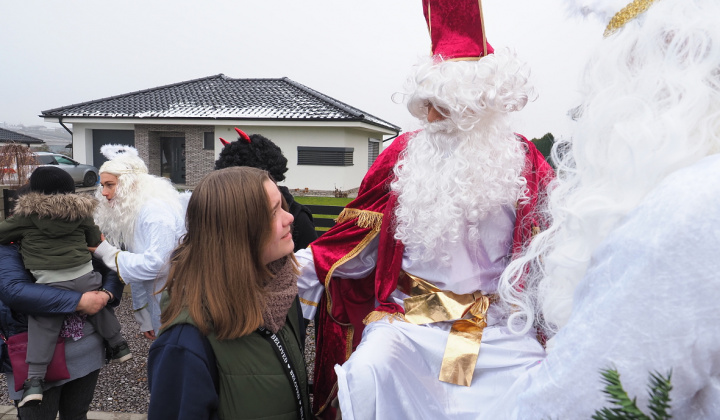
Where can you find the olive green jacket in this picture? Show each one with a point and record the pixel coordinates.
(54, 230)
(252, 381)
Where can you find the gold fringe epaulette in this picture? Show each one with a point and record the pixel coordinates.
(365, 219)
(378, 315)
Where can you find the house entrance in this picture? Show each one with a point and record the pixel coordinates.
(172, 152)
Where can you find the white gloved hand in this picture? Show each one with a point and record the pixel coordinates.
(107, 253)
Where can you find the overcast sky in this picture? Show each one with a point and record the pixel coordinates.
(57, 53)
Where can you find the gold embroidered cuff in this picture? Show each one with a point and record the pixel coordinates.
(118, 268)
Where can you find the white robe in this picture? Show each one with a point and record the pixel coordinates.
(158, 230)
(649, 302)
(394, 373)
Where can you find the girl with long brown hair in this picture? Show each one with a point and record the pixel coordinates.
(229, 345)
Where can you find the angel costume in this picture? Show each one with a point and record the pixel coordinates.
(627, 272)
(142, 223)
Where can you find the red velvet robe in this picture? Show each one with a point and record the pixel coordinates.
(346, 302)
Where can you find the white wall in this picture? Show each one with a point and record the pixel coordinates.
(310, 176)
(288, 136)
(82, 138)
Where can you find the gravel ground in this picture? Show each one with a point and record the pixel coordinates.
(123, 387)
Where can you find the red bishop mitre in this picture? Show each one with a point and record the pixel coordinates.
(456, 29)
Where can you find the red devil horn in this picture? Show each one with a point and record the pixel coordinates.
(224, 142)
(242, 135)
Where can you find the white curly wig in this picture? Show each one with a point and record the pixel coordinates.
(652, 106)
(467, 92)
(122, 159)
(457, 171)
(135, 188)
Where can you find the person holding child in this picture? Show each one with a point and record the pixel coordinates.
(229, 345)
(55, 227)
(21, 297)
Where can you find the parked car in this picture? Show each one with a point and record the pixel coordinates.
(87, 175)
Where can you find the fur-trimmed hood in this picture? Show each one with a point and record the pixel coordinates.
(70, 207)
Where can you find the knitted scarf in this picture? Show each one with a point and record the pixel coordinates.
(280, 292)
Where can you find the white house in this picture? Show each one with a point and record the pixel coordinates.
(176, 128)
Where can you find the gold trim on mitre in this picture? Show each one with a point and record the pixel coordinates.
(482, 25)
(464, 58)
(429, 25)
(628, 13)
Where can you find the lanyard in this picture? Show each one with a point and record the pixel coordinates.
(286, 363)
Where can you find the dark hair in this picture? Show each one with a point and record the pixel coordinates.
(260, 153)
(51, 180)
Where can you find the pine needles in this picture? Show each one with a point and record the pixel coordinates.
(626, 408)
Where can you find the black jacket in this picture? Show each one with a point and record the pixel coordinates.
(303, 226)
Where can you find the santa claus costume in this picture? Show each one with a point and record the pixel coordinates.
(406, 280)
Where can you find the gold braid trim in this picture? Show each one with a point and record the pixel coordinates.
(628, 13)
(348, 352)
(333, 392)
(378, 315)
(118, 268)
(365, 219)
(308, 302)
(349, 341)
(350, 255)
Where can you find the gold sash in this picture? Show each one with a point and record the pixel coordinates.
(428, 304)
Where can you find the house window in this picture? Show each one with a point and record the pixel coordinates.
(209, 141)
(373, 151)
(326, 156)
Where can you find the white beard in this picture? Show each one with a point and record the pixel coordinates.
(118, 217)
(448, 181)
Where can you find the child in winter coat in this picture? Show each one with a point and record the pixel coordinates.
(55, 227)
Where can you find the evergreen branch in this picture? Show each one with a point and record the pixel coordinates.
(660, 388)
(616, 394)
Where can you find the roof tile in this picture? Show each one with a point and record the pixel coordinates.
(8, 136)
(221, 97)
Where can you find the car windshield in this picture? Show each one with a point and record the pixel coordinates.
(65, 161)
(46, 159)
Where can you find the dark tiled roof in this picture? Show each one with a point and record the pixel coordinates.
(7, 136)
(220, 97)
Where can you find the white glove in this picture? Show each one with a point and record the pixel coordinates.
(107, 253)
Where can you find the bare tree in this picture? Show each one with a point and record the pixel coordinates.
(17, 162)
